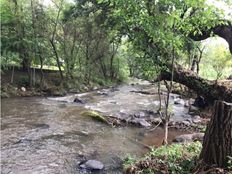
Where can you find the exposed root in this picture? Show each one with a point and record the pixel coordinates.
(203, 168)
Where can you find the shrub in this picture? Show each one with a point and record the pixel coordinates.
(24, 81)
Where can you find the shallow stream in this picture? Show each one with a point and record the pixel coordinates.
(50, 135)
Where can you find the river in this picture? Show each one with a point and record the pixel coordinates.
(50, 135)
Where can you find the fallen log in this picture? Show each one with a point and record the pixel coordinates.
(210, 90)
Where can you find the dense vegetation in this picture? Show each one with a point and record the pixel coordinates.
(105, 41)
(109, 40)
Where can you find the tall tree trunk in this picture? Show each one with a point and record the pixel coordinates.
(52, 40)
(57, 58)
(217, 144)
(41, 71)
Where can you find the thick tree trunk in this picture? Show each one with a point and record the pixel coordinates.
(210, 90)
(217, 144)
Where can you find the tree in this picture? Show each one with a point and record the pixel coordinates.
(55, 22)
(217, 144)
(160, 30)
(97, 42)
(221, 60)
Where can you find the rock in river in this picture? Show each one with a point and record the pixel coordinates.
(186, 123)
(77, 100)
(193, 109)
(197, 119)
(92, 165)
(141, 122)
(179, 101)
(189, 137)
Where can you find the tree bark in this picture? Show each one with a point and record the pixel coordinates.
(217, 144)
(210, 90)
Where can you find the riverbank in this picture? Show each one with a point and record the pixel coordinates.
(175, 158)
(16, 84)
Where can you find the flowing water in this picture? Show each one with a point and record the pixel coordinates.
(50, 135)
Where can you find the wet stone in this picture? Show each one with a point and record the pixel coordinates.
(183, 138)
(197, 119)
(193, 109)
(102, 93)
(189, 137)
(95, 88)
(140, 114)
(24, 141)
(150, 112)
(92, 165)
(179, 101)
(189, 120)
(141, 122)
(186, 104)
(172, 123)
(77, 100)
(186, 123)
(156, 120)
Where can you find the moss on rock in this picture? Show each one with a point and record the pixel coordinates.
(96, 116)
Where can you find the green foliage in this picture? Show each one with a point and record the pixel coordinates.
(24, 81)
(102, 39)
(216, 63)
(76, 36)
(177, 158)
(230, 163)
(128, 161)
